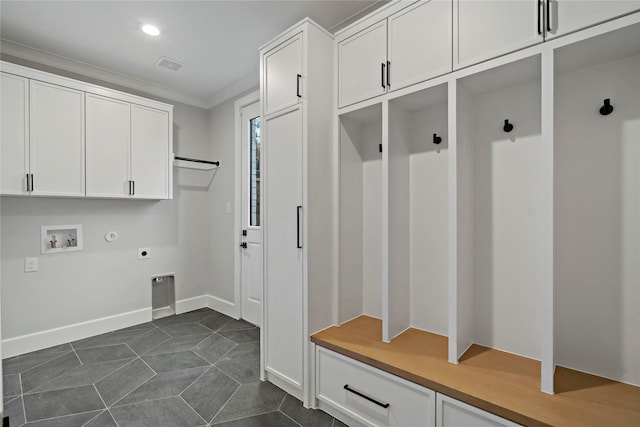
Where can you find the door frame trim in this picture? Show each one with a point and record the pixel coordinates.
(237, 209)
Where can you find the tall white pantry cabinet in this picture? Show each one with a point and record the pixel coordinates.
(297, 111)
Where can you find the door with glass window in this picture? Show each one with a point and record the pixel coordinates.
(251, 245)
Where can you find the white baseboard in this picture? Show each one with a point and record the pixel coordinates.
(285, 384)
(223, 306)
(191, 304)
(56, 336)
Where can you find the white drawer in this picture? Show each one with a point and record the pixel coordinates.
(453, 413)
(407, 404)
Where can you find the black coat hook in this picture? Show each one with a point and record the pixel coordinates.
(508, 127)
(607, 108)
(436, 139)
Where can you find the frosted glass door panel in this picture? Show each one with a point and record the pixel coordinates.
(283, 65)
(360, 65)
(486, 29)
(420, 43)
(14, 135)
(284, 242)
(108, 137)
(56, 140)
(149, 152)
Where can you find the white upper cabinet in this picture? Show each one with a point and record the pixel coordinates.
(64, 137)
(362, 62)
(283, 75)
(56, 140)
(410, 46)
(127, 150)
(14, 134)
(420, 39)
(565, 16)
(108, 138)
(149, 153)
(484, 29)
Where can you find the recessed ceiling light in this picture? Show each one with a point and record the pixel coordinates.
(152, 30)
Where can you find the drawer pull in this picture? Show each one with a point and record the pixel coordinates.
(364, 396)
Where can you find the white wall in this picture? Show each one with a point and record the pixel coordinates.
(429, 219)
(597, 220)
(221, 193)
(507, 245)
(106, 279)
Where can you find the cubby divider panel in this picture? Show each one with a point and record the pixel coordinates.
(360, 289)
(597, 205)
(500, 165)
(418, 211)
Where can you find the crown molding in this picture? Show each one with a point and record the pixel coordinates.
(48, 59)
(242, 85)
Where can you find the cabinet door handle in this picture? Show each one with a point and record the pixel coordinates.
(540, 5)
(388, 74)
(298, 86)
(133, 187)
(382, 76)
(549, 15)
(364, 396)
(28, 183)
(31, 182)
(298, 212)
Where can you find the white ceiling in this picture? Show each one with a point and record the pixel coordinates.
(217, 40)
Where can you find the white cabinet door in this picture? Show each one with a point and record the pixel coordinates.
(149, 152)
(56, 140)
(283, 75)
(453, 413)
(373, 397)
(14, 133)
(565, 16)
(108, 136)
(420, 41)
(484, 29)
(283, 245)
(362, 61)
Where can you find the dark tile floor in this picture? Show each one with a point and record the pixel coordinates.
(196, 369)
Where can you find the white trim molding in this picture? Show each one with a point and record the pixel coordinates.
(77, 331)
(56, 336)
(237, 191)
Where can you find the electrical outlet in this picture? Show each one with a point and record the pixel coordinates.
(144, 253)
(30, 265)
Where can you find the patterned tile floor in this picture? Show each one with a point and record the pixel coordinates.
(196, 369)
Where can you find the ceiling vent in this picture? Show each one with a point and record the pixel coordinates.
(170, 64)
